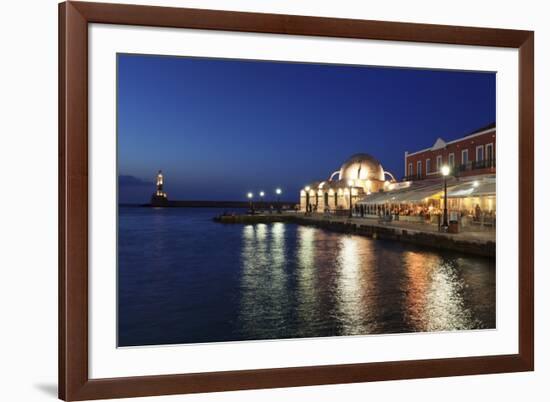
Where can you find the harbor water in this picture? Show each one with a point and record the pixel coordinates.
(183, 278)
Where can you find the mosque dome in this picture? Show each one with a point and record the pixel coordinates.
(362, 167)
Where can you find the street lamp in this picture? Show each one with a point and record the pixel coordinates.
(262, 200)
(307, 198)
(350, 184)
(445, 170)
(278, 192)
(250, 196)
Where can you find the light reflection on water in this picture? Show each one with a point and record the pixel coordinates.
(263, 279)
(280, 280)
(339, 284)
(356, 285)
(435, 300)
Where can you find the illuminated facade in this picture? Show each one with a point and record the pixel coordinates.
(360, 175)
(472, 155)
(471, 183)
(469, 195)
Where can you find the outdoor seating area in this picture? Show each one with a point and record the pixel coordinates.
(471, 203)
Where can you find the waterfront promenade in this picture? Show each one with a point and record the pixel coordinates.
(469, 235)
(480, 242)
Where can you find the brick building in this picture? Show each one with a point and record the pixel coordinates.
(473, 154)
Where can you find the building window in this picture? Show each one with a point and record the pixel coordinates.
(464, 156)
(419, 168)
(452, 160)
(438, 162)
(428, 166)
(489, 153)
(479, 153)
(410, 169)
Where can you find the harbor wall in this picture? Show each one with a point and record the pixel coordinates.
(437, 240)
(259, 205)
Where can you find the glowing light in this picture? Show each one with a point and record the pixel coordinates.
(476, 183)
(278, 191)
(250, 195)
(262, 193)
(445, 170)
(350, 183)
(308, 188)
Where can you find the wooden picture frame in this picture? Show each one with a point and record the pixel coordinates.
(74, 381)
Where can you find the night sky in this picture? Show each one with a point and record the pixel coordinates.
(219, 128)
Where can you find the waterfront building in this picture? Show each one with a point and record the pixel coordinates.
(360, 175)
(362, 186)
(419, 197)
(471, 155)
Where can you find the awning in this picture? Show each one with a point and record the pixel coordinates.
(375, 198)
(421, 190)
(473, 189)
(416, 193)
(421, 194)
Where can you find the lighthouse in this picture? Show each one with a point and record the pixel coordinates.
(159, 197)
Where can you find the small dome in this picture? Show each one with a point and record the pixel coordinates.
(363, 167)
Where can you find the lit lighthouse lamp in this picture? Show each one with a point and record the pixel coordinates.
(159, 197)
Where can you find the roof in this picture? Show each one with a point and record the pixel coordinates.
(484, 128)
(440, 143)
(362, 166)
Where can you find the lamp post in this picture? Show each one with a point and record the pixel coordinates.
(278, 192)
(307, 198)
(445, 170)
(350, 185)
(262, 200)
(250, 196)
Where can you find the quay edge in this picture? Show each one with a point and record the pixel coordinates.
(444, 241)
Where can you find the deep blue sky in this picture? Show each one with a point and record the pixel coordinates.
(219, 128)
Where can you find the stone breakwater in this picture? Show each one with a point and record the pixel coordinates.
(466, 242)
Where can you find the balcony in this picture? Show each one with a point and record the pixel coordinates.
(474, 165)
(414, 177)
(457, 170)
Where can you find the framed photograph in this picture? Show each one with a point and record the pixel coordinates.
(258, 200)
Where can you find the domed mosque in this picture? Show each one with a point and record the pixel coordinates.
(361, 174)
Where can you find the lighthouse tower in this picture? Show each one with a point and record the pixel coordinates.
(159, 197)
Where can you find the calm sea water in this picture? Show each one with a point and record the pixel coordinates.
(183, 278)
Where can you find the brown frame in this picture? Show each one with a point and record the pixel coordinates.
(74, 383)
